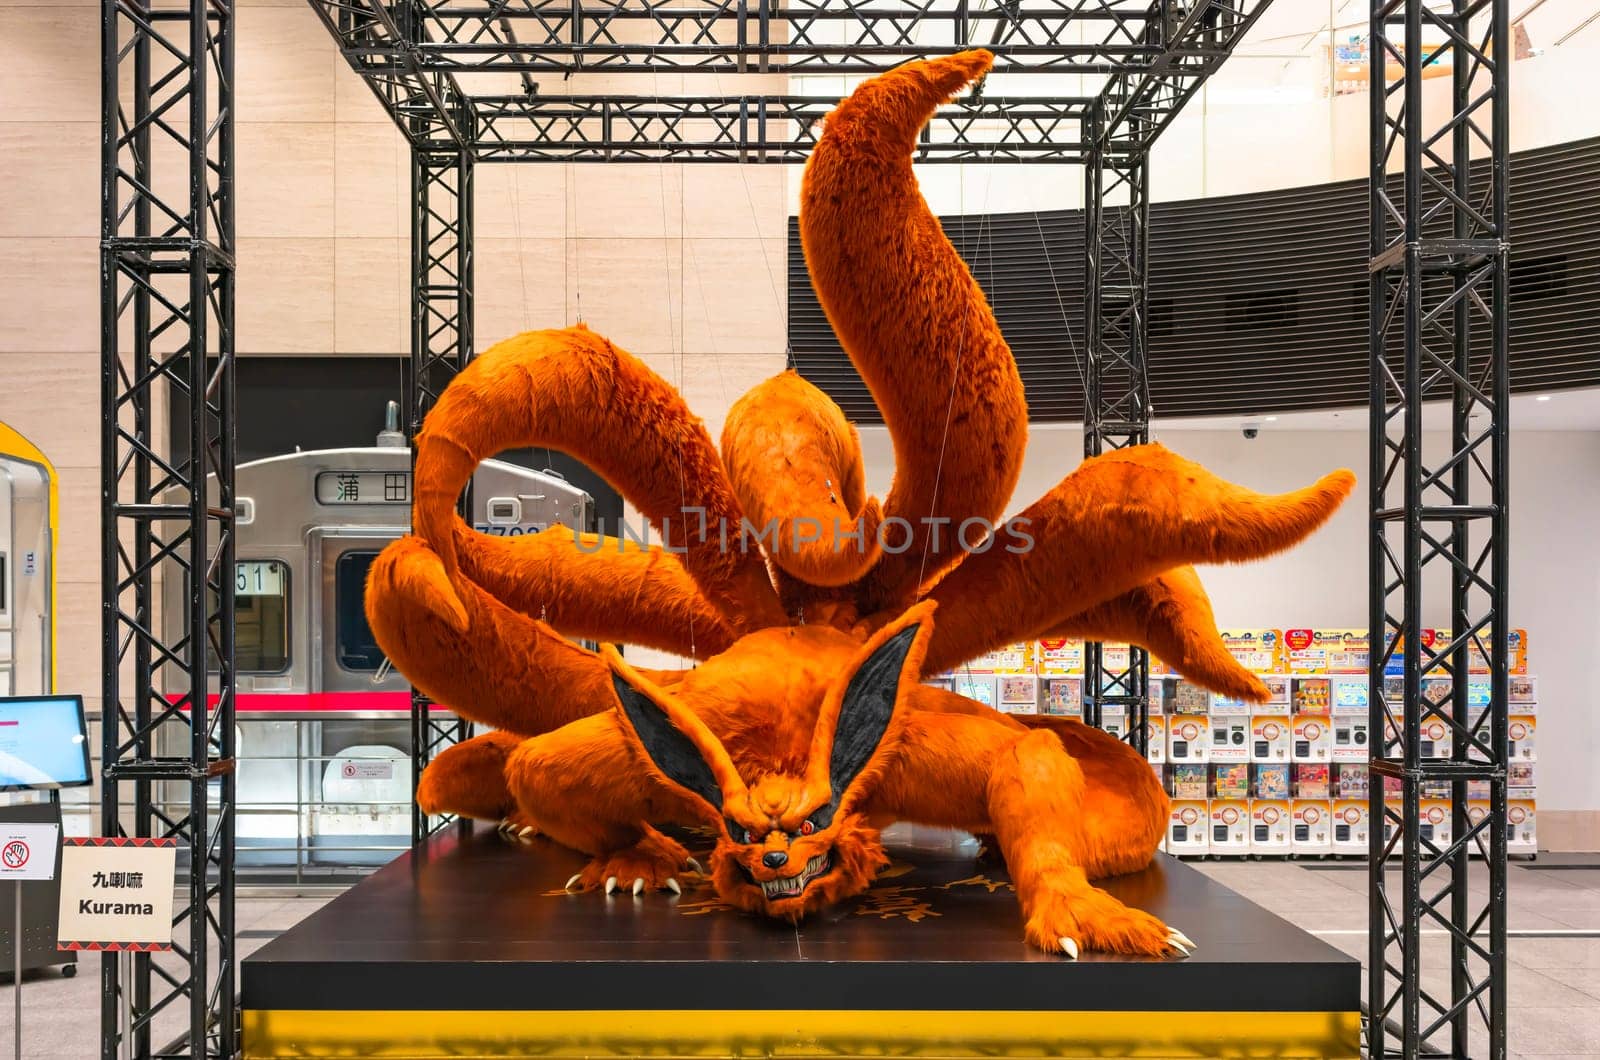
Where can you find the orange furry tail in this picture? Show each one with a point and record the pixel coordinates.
(574, 391)
(466, 649)
(595, 588)
(825, 526)
(1115, 523)
(1172, 617)
(914, 321)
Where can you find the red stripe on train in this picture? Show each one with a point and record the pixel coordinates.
(313, 702)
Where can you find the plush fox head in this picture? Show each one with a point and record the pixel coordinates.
(791, 835)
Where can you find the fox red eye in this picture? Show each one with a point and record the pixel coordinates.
(806, 828)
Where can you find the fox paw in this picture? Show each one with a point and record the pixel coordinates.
(517, 829)
(651, 864)
(1069, 924)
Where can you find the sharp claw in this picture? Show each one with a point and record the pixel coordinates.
(526, 832)
(611, 884)
(1172, 940)
(638, 886)
(505, 823)
(1069, 947)
(1180, 937)
(576, 876)
(695, 865)
(672, 885)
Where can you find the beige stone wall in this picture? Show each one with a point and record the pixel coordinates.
(683, 266)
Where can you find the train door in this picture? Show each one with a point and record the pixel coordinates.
(27, 580)
(360, 803)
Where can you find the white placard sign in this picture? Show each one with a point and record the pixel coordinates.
(116, 894)
(358, 770)
(28, 851)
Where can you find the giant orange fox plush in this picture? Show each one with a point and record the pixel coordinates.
(805, 727)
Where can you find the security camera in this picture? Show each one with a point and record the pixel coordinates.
(1251, 429)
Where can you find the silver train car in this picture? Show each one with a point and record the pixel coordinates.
(323, 720)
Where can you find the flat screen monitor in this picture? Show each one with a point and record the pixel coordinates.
(44, 743)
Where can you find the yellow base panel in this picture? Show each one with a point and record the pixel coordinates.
(393, 1035)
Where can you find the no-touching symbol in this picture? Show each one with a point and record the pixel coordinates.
(349, 770)
(15, 854)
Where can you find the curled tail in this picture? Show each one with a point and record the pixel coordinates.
(913, 319)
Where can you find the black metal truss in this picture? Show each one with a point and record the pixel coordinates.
(167, 335)
(1197, 38)
(418, 55)
(441, 345)
(775, 129)
(769, 36)
(1116, 376)
(1438, 281)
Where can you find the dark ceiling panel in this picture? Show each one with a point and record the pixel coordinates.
(1258, 303)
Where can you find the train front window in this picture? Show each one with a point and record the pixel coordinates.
(261, 613)
(358, 651)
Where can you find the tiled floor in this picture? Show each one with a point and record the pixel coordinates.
(1554, 981)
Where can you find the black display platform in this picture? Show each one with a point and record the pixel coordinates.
(469, 947)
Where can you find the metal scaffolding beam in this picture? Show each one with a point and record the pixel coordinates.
(1196, 38)
(441, 345)
(1439, 331)
(167, 341)
(427, 61)
(756, 36)
(756, 129)
(1116, 377)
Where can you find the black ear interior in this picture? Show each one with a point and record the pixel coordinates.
(672, 752)
(864, 717)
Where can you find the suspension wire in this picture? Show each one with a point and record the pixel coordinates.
(676, 338)
(526, 323)
(1066, 320)
(577, 243)
(955, 373)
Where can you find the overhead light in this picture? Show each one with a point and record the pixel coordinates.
(1542, 397)
(1272, 419)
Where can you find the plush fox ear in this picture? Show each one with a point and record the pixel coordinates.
(860, 721)
(683, 752)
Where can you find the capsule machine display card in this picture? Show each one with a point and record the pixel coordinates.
(1019, 693)
(1311, 695)
(974, 686)
(1058, 656)
(1311, 780)
(1278, 693)
(1063, 696)
(1230, 780)
(1352, 779)
(1269, 781)
(1258, 650)
(1190, 781)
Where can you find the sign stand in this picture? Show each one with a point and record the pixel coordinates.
(27, 852)
(16, 966)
